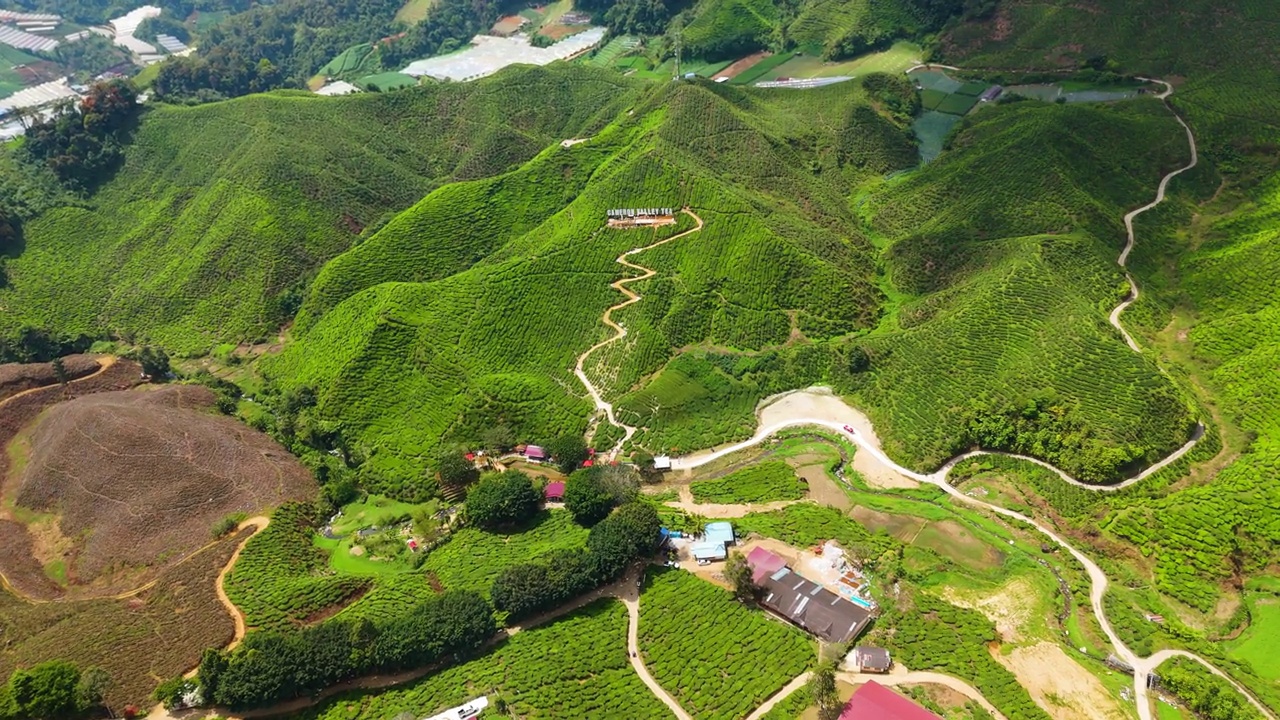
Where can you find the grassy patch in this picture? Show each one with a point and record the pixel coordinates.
(1257, 644)
(414, 11)
(765, 482)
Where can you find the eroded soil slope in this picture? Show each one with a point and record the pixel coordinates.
(117, 486)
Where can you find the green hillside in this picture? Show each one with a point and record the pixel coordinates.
(1227, 76)
(469, 309)
(221, 211)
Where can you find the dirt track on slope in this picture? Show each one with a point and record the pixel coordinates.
(620, 332)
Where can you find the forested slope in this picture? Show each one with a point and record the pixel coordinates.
(221, 211)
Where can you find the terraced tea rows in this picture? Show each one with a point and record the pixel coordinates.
(574, 667)
(717, 657)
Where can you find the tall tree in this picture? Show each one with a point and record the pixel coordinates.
(585, 498)
(824, 691)
(738, 573)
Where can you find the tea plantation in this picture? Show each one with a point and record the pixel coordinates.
(574, 667)
(221, 212)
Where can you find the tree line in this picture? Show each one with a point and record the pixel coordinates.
(54, 690)
(275, 666)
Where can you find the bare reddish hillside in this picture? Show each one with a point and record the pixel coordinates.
(138, 478)
(16, 377)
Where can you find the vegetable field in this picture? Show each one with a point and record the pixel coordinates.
(765, 482)
(718, 658)
(574, 667)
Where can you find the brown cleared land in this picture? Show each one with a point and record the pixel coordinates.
(139, 640)
(17, 377)
(138, 480)
(740, 66)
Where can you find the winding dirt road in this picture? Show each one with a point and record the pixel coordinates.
(260, 523)
(632, 600)
(1128, 219)
(1143, 667)
(620, 332)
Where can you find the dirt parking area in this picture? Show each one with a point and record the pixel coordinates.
(1059, 685)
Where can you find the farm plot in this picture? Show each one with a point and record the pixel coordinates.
(145, 456)
(16, 377)
(766, 482)
(20, 565)
(474, 557)
(575, 667)
(281, 579)
(156, 634)
(717, 657)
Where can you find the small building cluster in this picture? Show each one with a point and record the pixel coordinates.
(643, 217)
(803, 602)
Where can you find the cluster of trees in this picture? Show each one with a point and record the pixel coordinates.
(31, 344)
(271, 666)
(162, 24)
(896, 95)
(638, 17)
(96, 12)
(590, 494)
(450, 24)
(55, 690)
(1046, 428)
(88, 57)
(625, 536)
(271, 46)
(81, 142)
(1209, 696)
(502, 500)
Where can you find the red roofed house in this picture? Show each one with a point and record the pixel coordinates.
(874, 701)
(763, 564)
(588, 463)
(533, 452)
(555, 491)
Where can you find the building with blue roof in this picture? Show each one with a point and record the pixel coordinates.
(708, 550)
(721, 532)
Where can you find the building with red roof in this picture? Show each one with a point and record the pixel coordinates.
(533, 452)
(555, 491)
(763, 564)
(874, 701)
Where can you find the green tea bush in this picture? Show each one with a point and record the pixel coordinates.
(931, 634)
(281, 579)
(574, 667)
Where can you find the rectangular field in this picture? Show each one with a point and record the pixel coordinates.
(957, 104)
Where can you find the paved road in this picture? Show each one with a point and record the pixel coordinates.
(620, 332)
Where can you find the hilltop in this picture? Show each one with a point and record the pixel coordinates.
(221, 213)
